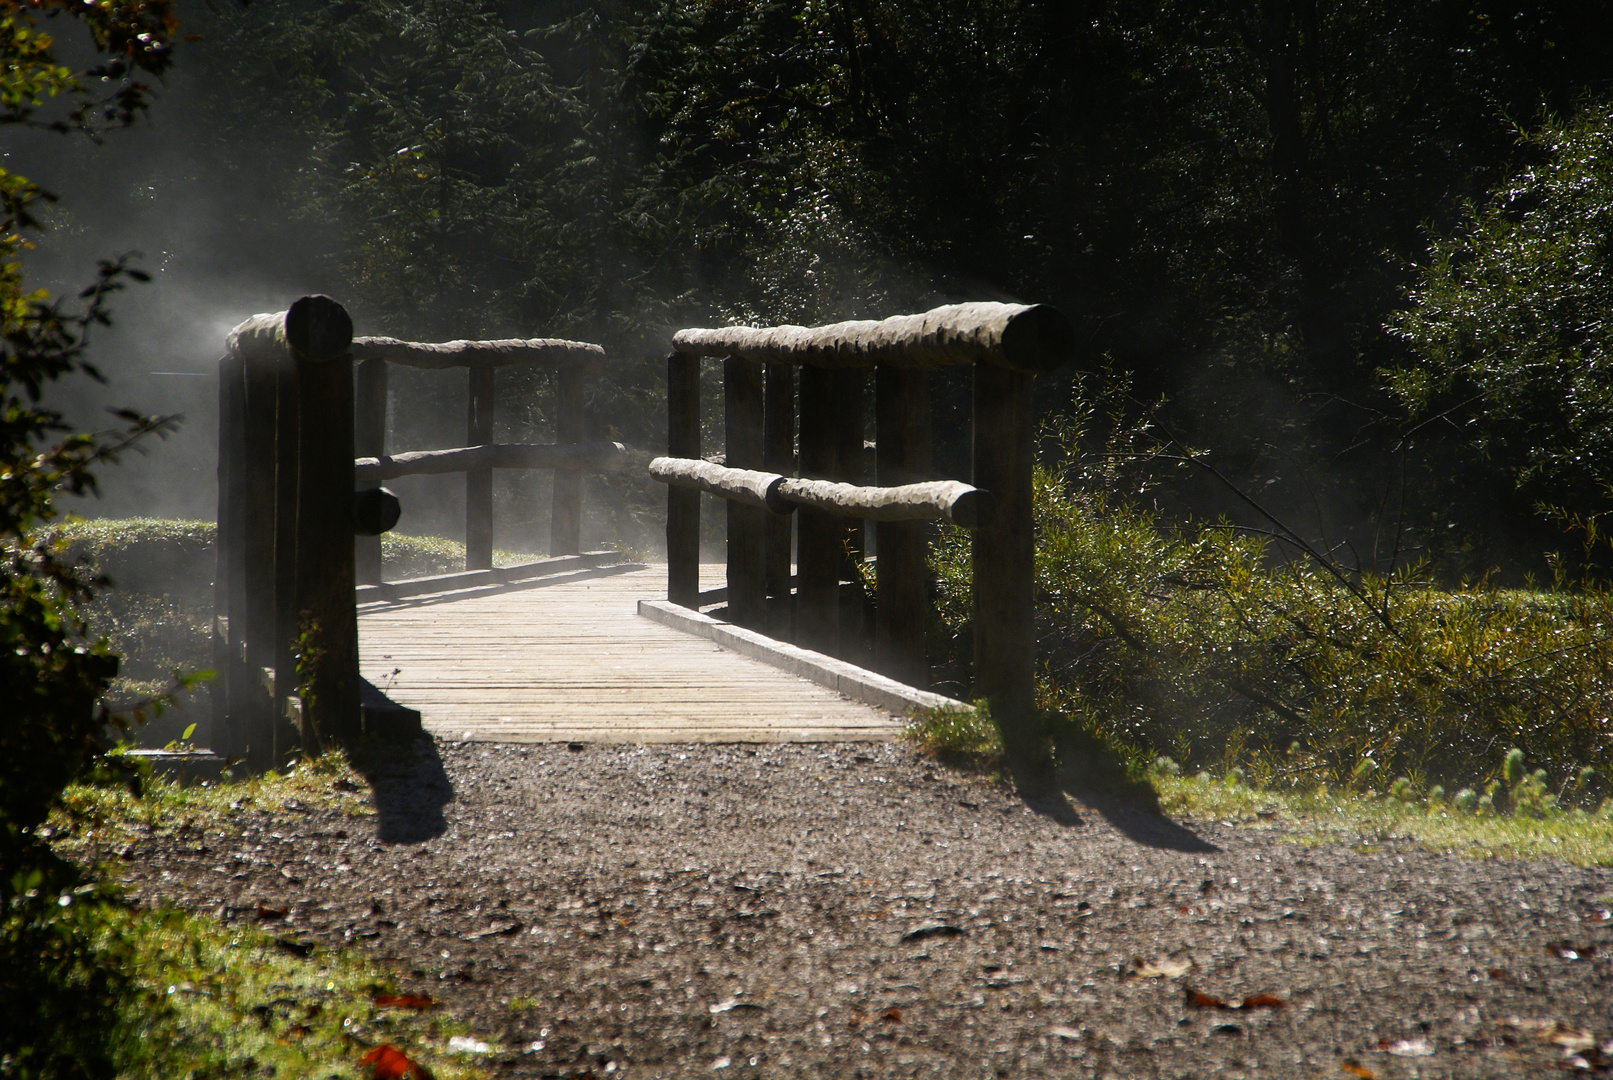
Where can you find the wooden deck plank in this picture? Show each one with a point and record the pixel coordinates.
(572, 661)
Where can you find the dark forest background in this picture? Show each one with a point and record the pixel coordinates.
(1230, 200)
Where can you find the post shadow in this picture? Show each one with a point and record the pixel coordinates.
(1085, 769)
(410, 788)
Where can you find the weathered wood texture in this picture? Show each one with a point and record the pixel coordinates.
(327, 627)
(573, 661)
(1004, 556)
(369, 440)
(437, 356)
(778, 455)
(565, 524)
(902, 440)
(603, 456)
(851, 467)
(817, 532)
(478, 476)
(1033, 339)
(933, 500)
(749, 487)
(743, 429)
(682, 503)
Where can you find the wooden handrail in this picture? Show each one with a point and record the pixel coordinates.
(438, 356)
(1031, 338)
(936, 500)
(598, 456)
(821, 437)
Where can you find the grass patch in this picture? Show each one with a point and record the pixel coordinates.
(127, 991)
(1365, 818)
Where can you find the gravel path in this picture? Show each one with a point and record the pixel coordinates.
(851, 910)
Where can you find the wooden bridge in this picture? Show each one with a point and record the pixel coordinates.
(780, 643)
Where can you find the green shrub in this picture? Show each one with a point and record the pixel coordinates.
(1197, 643)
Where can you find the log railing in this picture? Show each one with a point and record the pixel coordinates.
(295, 537)
(1006, 345)
(571, 361)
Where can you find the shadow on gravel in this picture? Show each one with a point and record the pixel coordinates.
(410, 787)
(1093, 774)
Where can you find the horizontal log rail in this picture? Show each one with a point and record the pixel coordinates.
(1028, 338)
(437, 356)
(596, 456)
(936, 500)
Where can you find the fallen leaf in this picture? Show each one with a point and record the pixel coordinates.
(892, 1015)
(264, 913)
(1161, 968)
(1418, 1047)
(731, 1004)
(722, 1062)
(1263, 1001)
(923, 933)
(1573, 1040)
(1196, 1000)
(402, 1001)
(1570, 952)
(1355, 1068)
(493, 931)
(387, 1062)
(1062, 1031)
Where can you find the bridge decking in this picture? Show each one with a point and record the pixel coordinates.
(570, 659)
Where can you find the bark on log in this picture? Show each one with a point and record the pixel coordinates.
(565, 505)
(1033, 338)
(369, 440)
(683, 504)
(602, 456)
(479, 476)
(436, 356)
(817, 533)
(748, 487)
(315, 326)
(936, 500)
(375, 511)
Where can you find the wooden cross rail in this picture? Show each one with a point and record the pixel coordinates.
(571, 361)
(936, 500)
(771, 431)
(295, 438)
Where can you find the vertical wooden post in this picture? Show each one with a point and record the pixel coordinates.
(1004, 560)
(683, 504)
(902, 440)
(778, 456)
(479, 482)
(565, 524)
(230, 691)
(369, 440)
(851, 468)
(319, 331)
(743, 409)
(283, 521)
(817, 532)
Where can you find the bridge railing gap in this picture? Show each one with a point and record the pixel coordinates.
(821, 479)
(296, 437)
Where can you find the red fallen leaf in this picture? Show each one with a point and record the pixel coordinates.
(264, 913)
(1263, 1001)
(1355, 1068)
(1196, 1000)
(892, 1015)
(402, 1001)
(1498, 973)
(387, 1062)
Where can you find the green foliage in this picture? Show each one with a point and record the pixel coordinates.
(1510, 324)
(52, 672)
(1200, 644)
